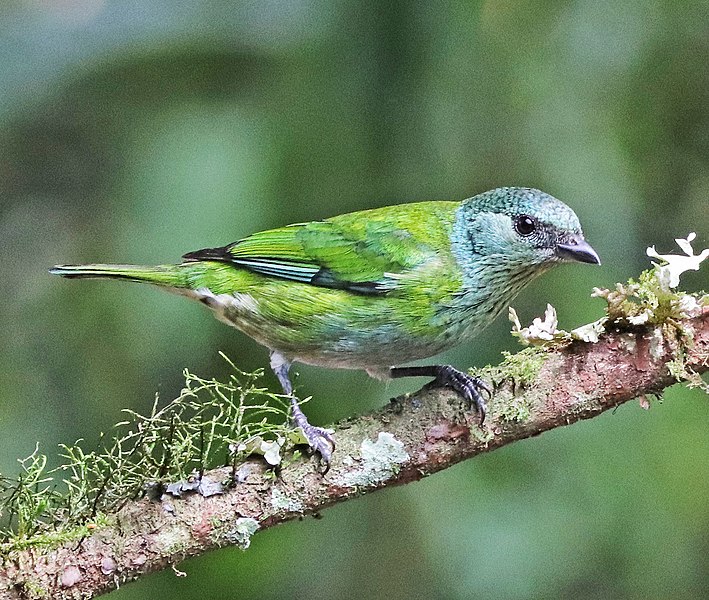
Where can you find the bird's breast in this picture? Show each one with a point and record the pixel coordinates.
(483, 297)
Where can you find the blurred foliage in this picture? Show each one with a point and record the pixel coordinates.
(136, 132)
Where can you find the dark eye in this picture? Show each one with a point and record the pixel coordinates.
(525, 225)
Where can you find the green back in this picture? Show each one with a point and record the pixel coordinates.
(366, 252)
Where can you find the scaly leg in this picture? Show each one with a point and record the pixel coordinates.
(320, 440)
(466, 385)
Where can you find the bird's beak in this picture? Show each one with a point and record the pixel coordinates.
(579, 250)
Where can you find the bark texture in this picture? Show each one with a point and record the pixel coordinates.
(412, 437)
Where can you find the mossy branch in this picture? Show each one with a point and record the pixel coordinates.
(414, 436)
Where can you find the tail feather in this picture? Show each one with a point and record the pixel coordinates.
(166, 275)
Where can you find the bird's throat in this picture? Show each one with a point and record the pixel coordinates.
(487, 293)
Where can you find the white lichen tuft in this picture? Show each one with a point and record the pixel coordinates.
(380, 461)
(269, 449)
(641, 318)
(240, 534)
(545, 332)
(673, 265)
(589, 332)
(541, 331)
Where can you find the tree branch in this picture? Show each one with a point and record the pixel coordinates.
(410, 438)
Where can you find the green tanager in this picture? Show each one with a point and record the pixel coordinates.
(375, 288)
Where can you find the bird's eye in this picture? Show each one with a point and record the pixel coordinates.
(525, 225)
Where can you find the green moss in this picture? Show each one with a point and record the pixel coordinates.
(33, 590)
(192, 433)
(521, 368)
(54, 538)
(516, 410)
(676, 366)
(524, 366)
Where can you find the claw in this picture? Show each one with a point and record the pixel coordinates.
(482, 384)
(320, 441)
(466, 385)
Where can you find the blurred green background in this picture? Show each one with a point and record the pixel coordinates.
(134, 132)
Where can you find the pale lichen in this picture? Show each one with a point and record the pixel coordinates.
(590, 332)
(628, 342)
(283, 502)
(651, 300)
(656, 340)
(172, 541)
(241, 531)
(379, 461)
(545, 332)
(269, 449)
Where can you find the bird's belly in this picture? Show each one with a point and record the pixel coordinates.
(358, 333)
(353, 346)
(369, 352)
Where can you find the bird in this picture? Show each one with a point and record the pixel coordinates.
(377, 288)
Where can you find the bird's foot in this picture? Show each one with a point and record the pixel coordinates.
(468, 386)
(320, 440)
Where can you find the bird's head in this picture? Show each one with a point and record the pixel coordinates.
(521, 228)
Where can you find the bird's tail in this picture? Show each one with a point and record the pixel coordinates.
(163, 275)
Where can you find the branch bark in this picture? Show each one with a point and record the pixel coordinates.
(410, 438)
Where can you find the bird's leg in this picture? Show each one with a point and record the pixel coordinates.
(466, 385)
(320, 440)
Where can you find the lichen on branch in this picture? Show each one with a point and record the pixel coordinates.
(652, 299)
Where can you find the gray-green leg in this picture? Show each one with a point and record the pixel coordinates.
(466, 385)
(320, 440)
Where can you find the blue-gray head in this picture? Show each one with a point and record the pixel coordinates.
(519, 229)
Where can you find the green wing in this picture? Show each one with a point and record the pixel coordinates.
(368, 252)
